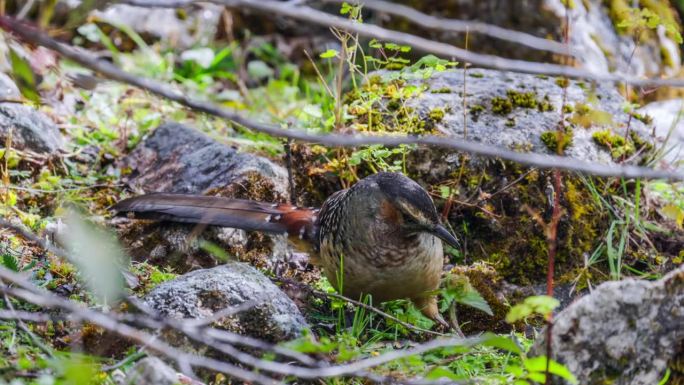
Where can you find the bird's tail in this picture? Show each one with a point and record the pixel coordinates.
(236, 213)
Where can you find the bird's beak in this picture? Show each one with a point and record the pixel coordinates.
(444, 234)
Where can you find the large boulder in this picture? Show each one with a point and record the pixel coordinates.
(624, 332)
(201, 293)
(515, 111)
(179, 159)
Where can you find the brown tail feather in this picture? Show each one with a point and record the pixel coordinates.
(220, 211)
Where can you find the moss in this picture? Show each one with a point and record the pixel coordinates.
(476, 75)
(443, 90)
(501, 106)
(545, 104)
(522, 99)
(437, 114)
(476, 110)
(562, 82)
(639, 143)
(644, 118)
(489, 283)
(550, 139)
(517, 99)
(568, 109)
(541, 77)
(616, 144)
(510, 122)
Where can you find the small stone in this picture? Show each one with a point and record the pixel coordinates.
(31, 130)
(202, 293)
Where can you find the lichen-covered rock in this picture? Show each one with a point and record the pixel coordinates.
(522, 112)
(31, 130)
(176, 158)
(202, 293)
(624, 332)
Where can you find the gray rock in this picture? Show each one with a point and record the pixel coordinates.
(202, 293)
(151, 371)
(31, 130)
(625, 332)
(521, 128)
(668, 121)
(176, 158)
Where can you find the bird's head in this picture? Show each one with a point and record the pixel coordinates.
(411, 206)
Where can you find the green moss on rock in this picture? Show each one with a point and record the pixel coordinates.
(552, 142)
(618, 146)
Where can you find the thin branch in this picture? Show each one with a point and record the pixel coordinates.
(40, 297)
(109, 70)
(310, 15)
(463, 26)
(33, 294)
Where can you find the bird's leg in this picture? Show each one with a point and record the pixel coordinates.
(428, 306)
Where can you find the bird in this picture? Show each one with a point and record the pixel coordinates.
(382, 236)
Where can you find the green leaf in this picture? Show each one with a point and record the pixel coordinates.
(501, 342)
(538, 364)
(98, 256)
(475, 300)
(444, 191)
(459, 289)
(24, 77)
(539, 304)
(10, 262)
(330, 53)
(346, 8)
(442, 372)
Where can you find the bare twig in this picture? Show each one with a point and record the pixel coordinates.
(314, 16)
(531, 159)
(455, 25)
(33, 294)
(30, 293)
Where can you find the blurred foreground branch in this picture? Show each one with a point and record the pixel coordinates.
(111, 71)
(314, 16)
(413, 15)
(130, 327)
